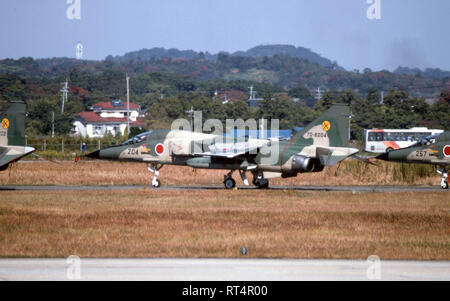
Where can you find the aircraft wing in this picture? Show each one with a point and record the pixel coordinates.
(9, 154)
(232, 150)
(333, 155)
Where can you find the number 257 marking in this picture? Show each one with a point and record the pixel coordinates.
(421, 153)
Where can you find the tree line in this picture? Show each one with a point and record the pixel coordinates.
(167, 96)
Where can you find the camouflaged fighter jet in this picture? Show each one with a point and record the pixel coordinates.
(324, 142)
(430, 150)
(12, 134)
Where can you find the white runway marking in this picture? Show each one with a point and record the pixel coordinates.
(220, 269)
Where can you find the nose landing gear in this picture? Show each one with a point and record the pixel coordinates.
(444, 180)
(228, 181)
(153, 168)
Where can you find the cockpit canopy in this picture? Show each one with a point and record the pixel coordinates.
(428, 140)
(138, 138)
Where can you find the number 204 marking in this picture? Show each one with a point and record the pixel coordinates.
(133, 151)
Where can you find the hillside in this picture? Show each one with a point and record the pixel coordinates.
(428, 72)
(287, 50)
(274, 65)
(145, 55)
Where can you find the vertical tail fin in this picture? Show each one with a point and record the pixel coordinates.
(12, 127)
(332, 128)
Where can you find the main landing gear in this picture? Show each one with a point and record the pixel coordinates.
(258, 180)
(444, 182)
(153, 168)
(230, 183)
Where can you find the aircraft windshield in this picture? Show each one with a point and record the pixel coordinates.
(138, 138)
(426, 140)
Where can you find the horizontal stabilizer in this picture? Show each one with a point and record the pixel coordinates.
(12, 153)
(332, 156)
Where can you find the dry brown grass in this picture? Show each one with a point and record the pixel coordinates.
(124, 173)
(280, 224)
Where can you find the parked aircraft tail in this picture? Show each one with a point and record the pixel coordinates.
(332, 128)
(12, 128)
(12, 134)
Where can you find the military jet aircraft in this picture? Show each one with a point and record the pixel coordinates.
(430, 150)
(324, 142)
(12, 134)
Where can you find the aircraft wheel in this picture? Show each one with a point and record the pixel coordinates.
(229, 183)
(444, 185)
(156, 184)
(262, 184)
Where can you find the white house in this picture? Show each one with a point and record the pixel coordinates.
(107, 117)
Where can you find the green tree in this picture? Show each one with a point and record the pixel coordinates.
(440, 111)
(40, 116)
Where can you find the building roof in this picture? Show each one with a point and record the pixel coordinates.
(92, 117)
(115, 105)
(254, 102)
(232, 95)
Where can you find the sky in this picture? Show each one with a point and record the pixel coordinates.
(411, 33)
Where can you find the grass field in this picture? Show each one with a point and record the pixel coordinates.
(271, 224)
(124, 173)
(205, 223)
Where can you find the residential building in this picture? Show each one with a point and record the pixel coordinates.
(107, 117)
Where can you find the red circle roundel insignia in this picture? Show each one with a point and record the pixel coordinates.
(160, 149)
(447, 150)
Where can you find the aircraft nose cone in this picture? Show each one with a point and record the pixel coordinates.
(384, 157)
(94, 155)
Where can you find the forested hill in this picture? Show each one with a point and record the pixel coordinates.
(277, 65)
(169, 86)
(288, 50)
(428, 72)
(146, 55)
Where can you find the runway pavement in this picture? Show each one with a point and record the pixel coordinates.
(359, 189)
(220, 269)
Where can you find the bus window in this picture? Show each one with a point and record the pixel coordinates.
(371, 136)
(379, 136)
(403, 137)
(396, 136)
(389, 137)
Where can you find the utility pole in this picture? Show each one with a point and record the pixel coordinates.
(53, 124)
(191, 115)
(252, 93)
(128, 104)
(382, 97)
(64, 91)
(319, 94)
